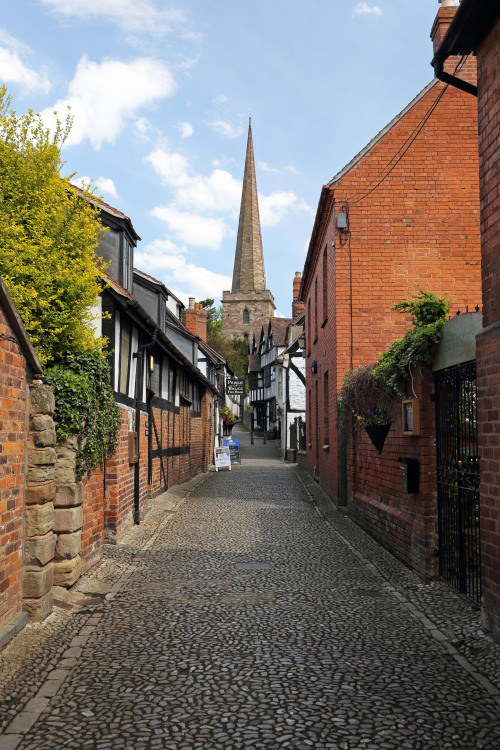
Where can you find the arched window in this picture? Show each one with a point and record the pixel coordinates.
(247, 239)
(246, 317)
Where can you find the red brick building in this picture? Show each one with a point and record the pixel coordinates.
(18, 363)
(404, 211)
(476, 29)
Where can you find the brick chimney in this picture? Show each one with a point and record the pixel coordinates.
(297, 307)
(445, 14)
(196, 319)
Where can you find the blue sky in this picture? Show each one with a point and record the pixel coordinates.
(160, 93)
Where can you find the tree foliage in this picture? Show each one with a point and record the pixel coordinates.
(234, 350)
(48, 235)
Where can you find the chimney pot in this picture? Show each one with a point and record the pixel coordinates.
(447, 3)
(191, 303)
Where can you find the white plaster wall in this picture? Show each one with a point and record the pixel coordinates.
(297, 390)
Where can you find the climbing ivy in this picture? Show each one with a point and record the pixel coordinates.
(85, 406)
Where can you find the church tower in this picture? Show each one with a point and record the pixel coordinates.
(249, 305)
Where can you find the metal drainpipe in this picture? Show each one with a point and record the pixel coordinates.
(458, 83)
(139, 384)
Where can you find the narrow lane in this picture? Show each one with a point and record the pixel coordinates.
(250, 624)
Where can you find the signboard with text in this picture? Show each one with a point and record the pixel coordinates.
(222, 458)
(235, 387)
(234, 449)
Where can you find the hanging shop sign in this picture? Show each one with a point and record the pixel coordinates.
(235, 387)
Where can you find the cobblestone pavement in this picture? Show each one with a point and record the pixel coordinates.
(255, 616)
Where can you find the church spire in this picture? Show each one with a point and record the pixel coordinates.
(249, 274)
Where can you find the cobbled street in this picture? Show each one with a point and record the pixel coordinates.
(254, 616)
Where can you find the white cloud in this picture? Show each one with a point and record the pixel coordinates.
(226, 129)
(363, 9)
(219, 192)
(14, 70)
(100, 100)
(216, 200)
(275, 207)
(220, 99)
(264, 166)
(103, 185)
(185, 129)
(193, 229)
(132, 15)
(184, 279)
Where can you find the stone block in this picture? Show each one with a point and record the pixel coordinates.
(69, 545)
(42, 456)
(67, 572)
(68, 519)
(37, 581)
(45, 438)
(37, 494)
(41, 473)
(42, 399)
(65, 469)
(40, 551)
(69, 495)
(39, 520)
(39, 609)
(41, 422)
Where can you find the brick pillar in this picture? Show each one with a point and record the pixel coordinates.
(40, 540)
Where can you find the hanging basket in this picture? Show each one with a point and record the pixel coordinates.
(377, 434)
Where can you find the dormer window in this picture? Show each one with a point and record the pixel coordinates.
(246, 317)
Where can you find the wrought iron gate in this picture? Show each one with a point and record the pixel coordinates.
(458, 478)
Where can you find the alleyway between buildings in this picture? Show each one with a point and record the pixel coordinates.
(246, 612)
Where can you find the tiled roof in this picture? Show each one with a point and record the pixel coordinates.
(115, 285)
(279, 327)
(253, 363)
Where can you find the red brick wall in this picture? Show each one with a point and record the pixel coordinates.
(13, 398)
(93, 519)
(420, 225)
(405, 523)
(119, 502)
(488, 350)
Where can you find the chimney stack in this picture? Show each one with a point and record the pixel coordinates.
(445, 14)
(196, 319)
(297, 307)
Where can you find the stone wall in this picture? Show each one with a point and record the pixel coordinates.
(40, 539)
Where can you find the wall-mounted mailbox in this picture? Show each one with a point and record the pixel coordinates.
(411, 417)
(133, 454)
(410, 474)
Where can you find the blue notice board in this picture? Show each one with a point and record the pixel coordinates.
(234, 449)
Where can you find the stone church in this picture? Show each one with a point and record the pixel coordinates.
(249, 305)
